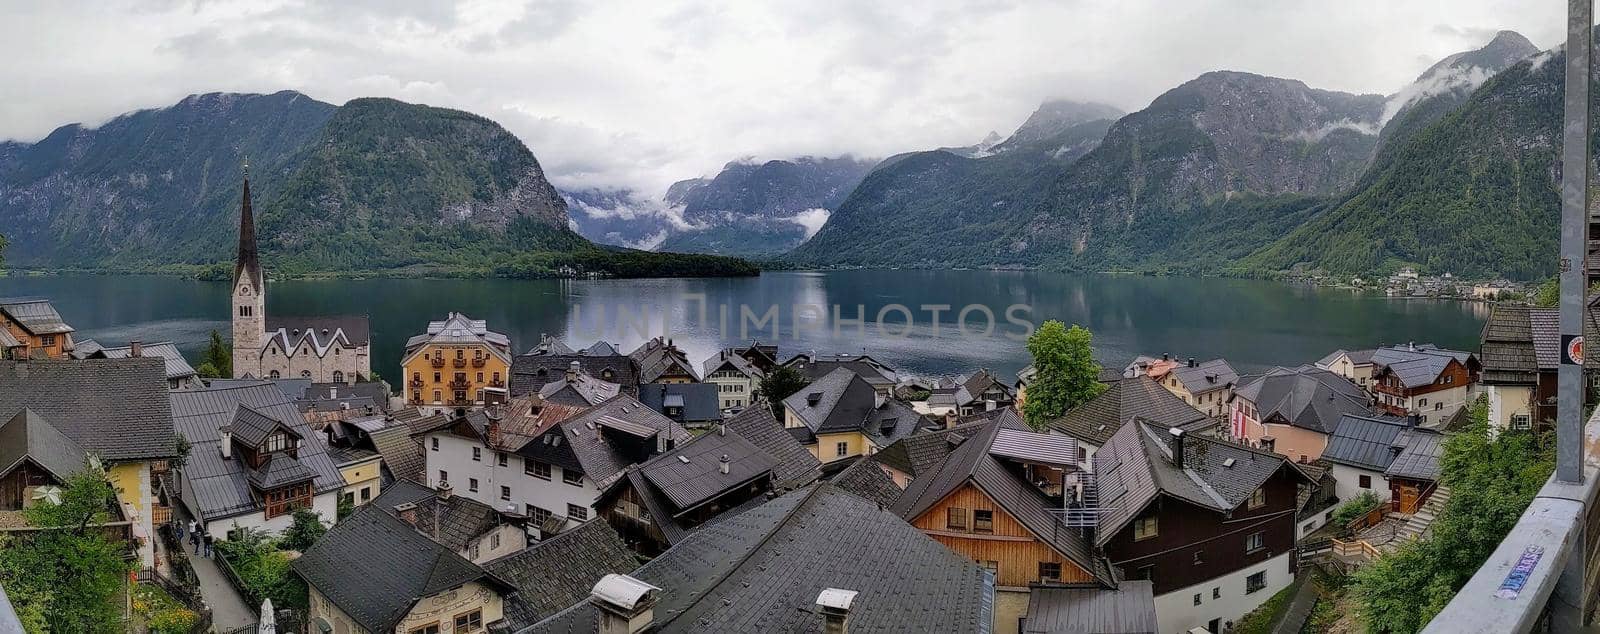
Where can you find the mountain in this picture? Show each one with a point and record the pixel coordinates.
(1055, 117)
(1446, 85)
(761, 208)
(1473, 193)
(622, 217)
(373, 185)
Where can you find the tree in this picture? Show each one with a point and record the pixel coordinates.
(781, 383)
(68, 577)
(305, 531)
(217, 361)
(1548, 294)
(2, 250)
(1492, 479)
(1067, 373)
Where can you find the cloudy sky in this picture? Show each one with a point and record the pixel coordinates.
(640, 94)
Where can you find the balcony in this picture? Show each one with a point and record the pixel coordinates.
(437, 362)
(458, 363)
(478, 362)
(460, 384)
(497, 383)
(417, 382)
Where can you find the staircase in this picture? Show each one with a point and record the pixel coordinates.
(1422, 520)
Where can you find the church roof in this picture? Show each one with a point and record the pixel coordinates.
(249, 259)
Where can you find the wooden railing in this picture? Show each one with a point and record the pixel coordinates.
(1357, 549)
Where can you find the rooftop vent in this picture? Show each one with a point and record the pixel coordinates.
(834, 605)
(683, 459)
(626, 605)
(1228, 463)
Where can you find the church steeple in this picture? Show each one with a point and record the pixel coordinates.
(249, 262)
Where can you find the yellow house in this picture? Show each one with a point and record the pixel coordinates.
(458, 364)
(30, 327)
(360, 470)
(840, 416)
(373, 573)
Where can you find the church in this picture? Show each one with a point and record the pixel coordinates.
(335, 349)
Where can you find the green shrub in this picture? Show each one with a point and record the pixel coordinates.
(1355, 508)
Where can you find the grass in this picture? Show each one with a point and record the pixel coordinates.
(1262, 619)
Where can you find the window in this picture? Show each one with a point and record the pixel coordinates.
(305, 374)
(956, 518)
(494, 541)
(1197, 598)
(983, 521)
(469, 622)
(1364, 482)
(1199, 557)
(437, 396)
(500, 458)
(1049, 571)
(1253, 543)
(1083, 454)
(1216, 593)
(505, 492)
(480, 377)
(435, 377)
(444, 476)
(366, 494)
(477, 454)
(274, 374)
(572, 477)
(841, 449)
(1422, 402)
(536, 469)
(576, 512)
(1145, 528)
(1438, 406)
(1258, 499)
(274, 443)
(1255, 582)
(538, 515)
(435, 443)
(338, 377)
(1520, 421)
(431, 628)
(1147, 573)
(472, 485)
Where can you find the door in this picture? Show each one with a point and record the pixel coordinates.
(1214, 625)
(1408, 498)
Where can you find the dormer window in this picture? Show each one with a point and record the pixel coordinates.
(276, 442)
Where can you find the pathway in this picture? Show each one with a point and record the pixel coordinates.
(228, 609)
(1299, 610)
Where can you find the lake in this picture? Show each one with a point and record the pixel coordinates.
(1254, 324)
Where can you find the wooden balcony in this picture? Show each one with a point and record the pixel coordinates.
(437, 362)
(458, 363)
(479, 362)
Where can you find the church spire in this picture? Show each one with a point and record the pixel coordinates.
(249, 262)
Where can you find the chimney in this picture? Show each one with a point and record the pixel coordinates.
(572, 371)
(834, 605)
(1394, 450)
(135, 348)
(1413, 420)
(813, 398)
(407, 512)
(1175, 442)
(722, 464)
(494, 427)
(1191, 362)
(722, 429)
(877, 400)
(443, 491)
(951, 419)
(1166, 356)
(1411, 345)
(626, 605)
(227, 443)
(333, 391)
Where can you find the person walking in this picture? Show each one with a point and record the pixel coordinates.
(194, 540)
(207, 539)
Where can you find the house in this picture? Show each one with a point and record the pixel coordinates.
(550, 361)
(558, 572)
(1209, 522)
(997, 499)
(1355, 365)
(1094, 422)
(1293, 410)
(658, 502)
(1518, 380)
(796, 467)
(693, 405)
(917, 455)
(252, 460)
(659, 361)
(1150, 366)
(34, 456)
(882, 379)
(374, 572)
(867, 479)
(1386, 456)
(116, 409)
(402, 454)
(335, 349)
(356, 454)
(578, 388)
(1128, 609)
(841, 415)
(550, 460)
(472, 529)
(763, 357)
(735, 375)
(179, 374)
(33, 329)
(457, 364)
(978, 392)
(1425, 381)
(1206, 385)
(816, 559)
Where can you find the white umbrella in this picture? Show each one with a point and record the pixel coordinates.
(268, 624)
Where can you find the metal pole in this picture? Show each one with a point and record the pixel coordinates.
(1574, 225)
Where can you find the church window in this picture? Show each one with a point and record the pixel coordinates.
(305, 374)
(338, 377)
(274, 374)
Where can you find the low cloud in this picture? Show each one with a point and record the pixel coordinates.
(1360, 127)
(811, 219)
(1446, 80)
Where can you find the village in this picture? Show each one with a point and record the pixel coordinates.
(559, 486)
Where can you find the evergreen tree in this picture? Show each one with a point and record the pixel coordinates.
(67, 579)
(217, 361)
(779, 384)
(1067, 373)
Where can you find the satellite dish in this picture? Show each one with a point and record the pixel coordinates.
(49, 494)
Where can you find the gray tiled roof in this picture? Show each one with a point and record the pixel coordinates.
(735, 361)
(1308, 397)
(402, 456)
(1140, 397)
(1420, 450)
(118, 409)
(1128, 609)
(250, 426)
(920, 453)
(454, 522)
(761, 571)
(796, 466)
(581, 446)
(867, 479)
(582, 389)
(699, 400)
(1507, 348)
(690, 474)
(458, 329)
(1136, 466)
(657, 358)
(560, 571)
(177, 366)
(973, 462)
(217, 488)
(280, 470)
(843, 401)
(7, 340)
(1364, 441)
(1206, 376)
(374, 567)
(815, 367)
(530, 372)
(29, 436)
(357, 329)
(35, 314)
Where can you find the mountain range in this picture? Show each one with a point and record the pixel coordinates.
(373, 185)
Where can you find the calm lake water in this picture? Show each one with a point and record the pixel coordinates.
(1254, 324)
